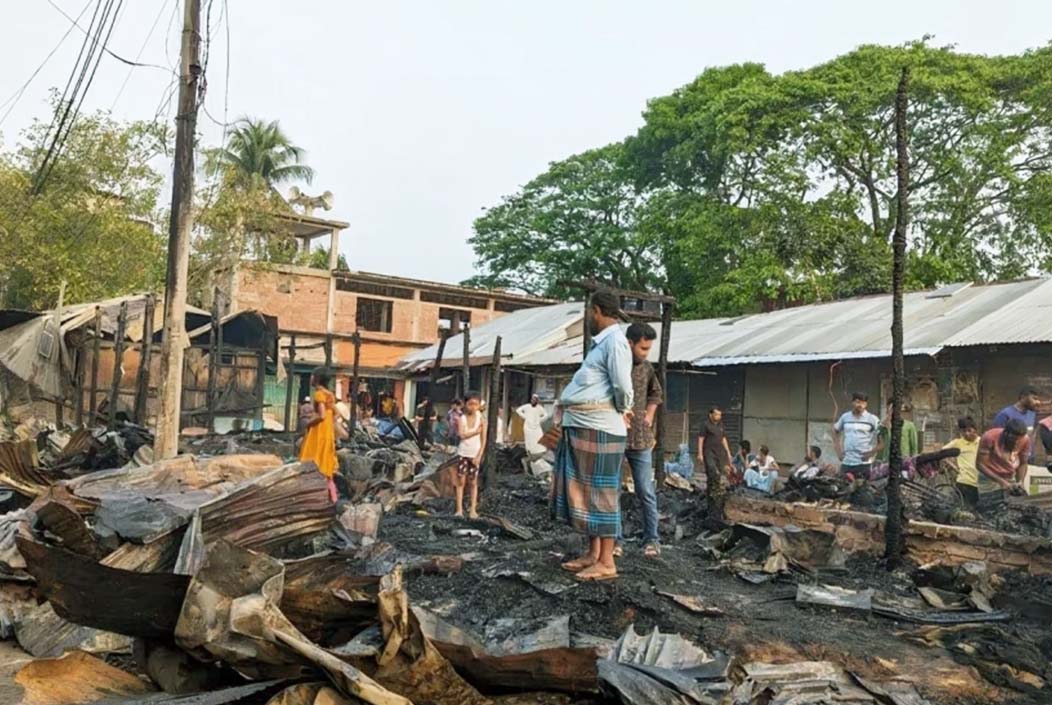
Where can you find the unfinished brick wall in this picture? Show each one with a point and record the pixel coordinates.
(300, 301)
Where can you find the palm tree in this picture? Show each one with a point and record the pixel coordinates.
(259, 150)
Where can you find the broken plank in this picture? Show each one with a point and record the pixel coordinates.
(692, 603)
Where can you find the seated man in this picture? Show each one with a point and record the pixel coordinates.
(811, 467)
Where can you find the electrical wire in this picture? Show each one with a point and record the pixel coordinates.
(118, 57)
(12, 101)
(142, 48)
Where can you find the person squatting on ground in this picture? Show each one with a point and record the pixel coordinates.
(1002, 460)
(647, 396)
(319, 443)
(472, 434)
(856, 433)
(595, 411)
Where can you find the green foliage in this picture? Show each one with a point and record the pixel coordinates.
(744, 190)
(257, 150)
(577, 219)
(94, 223)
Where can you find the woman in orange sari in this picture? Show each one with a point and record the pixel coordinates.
(319, 445)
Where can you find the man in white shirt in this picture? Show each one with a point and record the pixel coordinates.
(533, 415)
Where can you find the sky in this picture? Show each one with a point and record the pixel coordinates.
(418, 115)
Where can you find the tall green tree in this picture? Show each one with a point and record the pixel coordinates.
(257, 150)
(749, 190)
(93, 223)
(238, 215)
(576, 220)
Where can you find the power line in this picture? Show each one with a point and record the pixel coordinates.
(142, 48)
(17, 95)
(118, 57)
(85, 79)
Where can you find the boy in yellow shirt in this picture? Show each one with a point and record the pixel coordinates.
(967, 442)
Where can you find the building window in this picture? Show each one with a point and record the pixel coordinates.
(452, 320)
(374, 315)
(436, 297)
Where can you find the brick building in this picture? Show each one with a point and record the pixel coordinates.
(321, 310)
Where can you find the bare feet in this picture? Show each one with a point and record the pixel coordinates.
(597, 572)
(578, 564)
(473, 515)
(459, 515)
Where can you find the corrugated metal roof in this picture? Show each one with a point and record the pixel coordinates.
(521, 333)
(1010, 312)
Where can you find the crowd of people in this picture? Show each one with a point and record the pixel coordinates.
(604, 418)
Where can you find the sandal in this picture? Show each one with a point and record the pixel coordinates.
(652, 550)
(618, 551)
(577, 564)
(595, 576)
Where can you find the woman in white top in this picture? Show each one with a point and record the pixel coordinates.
(472, 434)
(765, 461)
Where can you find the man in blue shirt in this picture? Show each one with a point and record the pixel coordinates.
(595, 411)
(1025, 410)
(857, 431)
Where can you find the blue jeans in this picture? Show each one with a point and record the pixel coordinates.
(642, 464)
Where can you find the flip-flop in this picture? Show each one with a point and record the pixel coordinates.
(596, 578)
(618, 551)
(575, 565)
(652, 551)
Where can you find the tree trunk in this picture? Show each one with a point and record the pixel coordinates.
(894, 528)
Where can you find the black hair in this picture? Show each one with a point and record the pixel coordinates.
(472, 395)
(816, 451)
(859, 396)
(640, 331)
(607, 302)
(1027, 391)
(966, 422)
(714, 409)
(322, 376)
(456, 401)
(1015, 427)
(765, 450)
(744, 444)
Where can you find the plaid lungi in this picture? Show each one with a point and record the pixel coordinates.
(586, 484)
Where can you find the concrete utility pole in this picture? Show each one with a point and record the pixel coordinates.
(173, 342)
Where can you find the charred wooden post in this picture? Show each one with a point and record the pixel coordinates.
(118, 363)
(894, 530)
(142, 382)
(93, 404)
(213, 363)
(587, 335)
(661, 420)
(261, 377)
(78, 410)
(356, 339)
(489, 457)
(328, 351)
(465, 385)
(289, 378)
(436, 370)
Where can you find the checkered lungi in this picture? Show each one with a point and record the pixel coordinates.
(586, 484)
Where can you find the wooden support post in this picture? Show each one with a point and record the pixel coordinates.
(587, 335)
(489, 458)
(357, 340)
(466, 371)
(213, 364)
(118, 366)
(261, 380)
(142, 382)
(96, 344)
(290, 376)
(662, 419)
(78, 411)
(504, 405)
(436, 370)
(895, 528)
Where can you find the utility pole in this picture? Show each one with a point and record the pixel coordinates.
(173, 342)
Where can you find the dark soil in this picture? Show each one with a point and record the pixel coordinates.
(760, 621)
